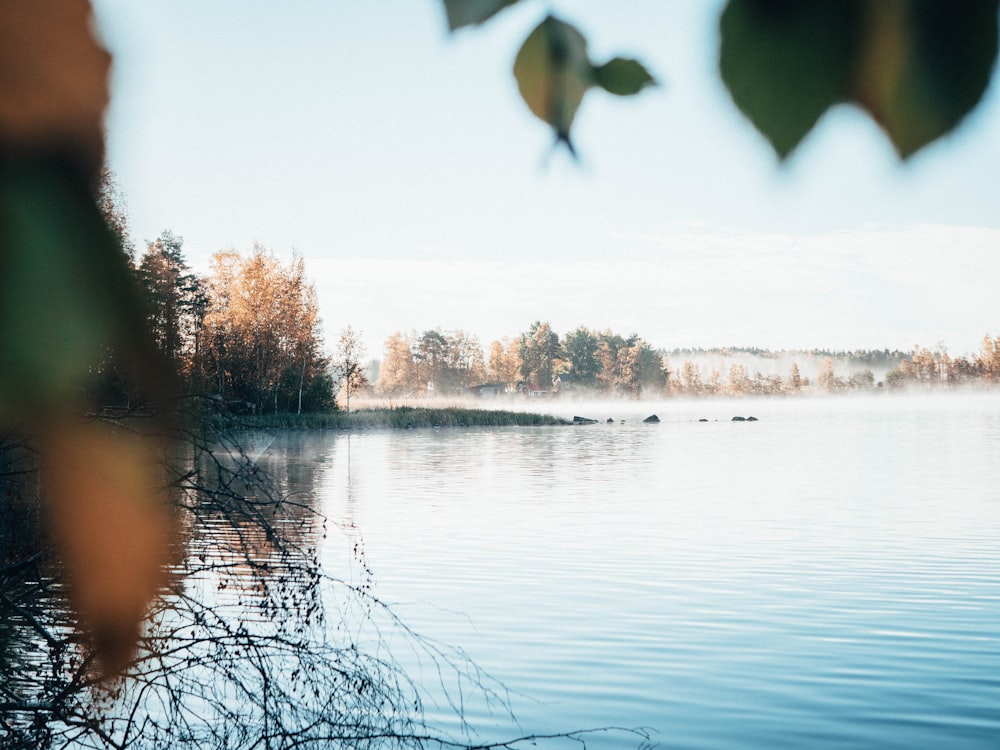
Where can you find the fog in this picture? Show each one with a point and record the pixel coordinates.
(776, 363)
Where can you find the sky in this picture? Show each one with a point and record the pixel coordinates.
(400, 162)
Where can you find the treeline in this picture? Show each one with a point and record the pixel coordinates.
(538, 362)
(736, 379)
(757, 371)
(433, 363)
(934, 368)
(247, 334)
(877, 358)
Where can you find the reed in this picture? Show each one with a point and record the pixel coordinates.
(399, 417)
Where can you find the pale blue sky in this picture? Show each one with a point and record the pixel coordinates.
(401, 163)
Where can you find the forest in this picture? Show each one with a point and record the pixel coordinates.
(248, 337)
(247, 334)
(603, 363)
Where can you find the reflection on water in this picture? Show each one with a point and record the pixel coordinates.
(825, 577)
(252, 645)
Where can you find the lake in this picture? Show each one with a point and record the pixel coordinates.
(825, 577)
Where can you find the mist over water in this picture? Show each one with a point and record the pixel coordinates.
(824, 577)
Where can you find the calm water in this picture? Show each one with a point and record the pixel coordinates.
(826, 577)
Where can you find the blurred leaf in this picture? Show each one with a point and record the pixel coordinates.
(472, 12)
(67, 299)
(66, 294)
(111, 527)
(622, 77)
(53, 80)
(918, 66)
(553, 73)
(54, 320)
(785, 62)
(925, 66)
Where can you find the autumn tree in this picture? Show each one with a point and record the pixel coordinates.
(926, 366)
(397, 375)
(349, 365)
(826, 377)
(901, 375)
(436, 361)
(963, 370)
(626, 365)
(448, 362)
(305, 344)
(988, 359)
(738, 379)
(689, 379)
(862, 380)
(795, 379)
(638, 368)
(606, 356)
(505, 361)
(466, 365)
(262, 343)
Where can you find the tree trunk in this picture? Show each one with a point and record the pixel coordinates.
(302, 380)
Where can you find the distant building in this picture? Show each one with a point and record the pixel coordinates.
(489, 390)
(534, 391)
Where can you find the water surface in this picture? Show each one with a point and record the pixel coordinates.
(826, 577)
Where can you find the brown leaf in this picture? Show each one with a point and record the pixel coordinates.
(112, 529)
(53, 79)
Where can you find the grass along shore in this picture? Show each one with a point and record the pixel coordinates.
(398, 417)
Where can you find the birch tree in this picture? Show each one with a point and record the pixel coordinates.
(349, 363)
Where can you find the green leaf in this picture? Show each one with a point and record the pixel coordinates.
(925, 66)
(66, 296)
(623, 77)
(917, 66)
(785, 62)
(553, 73)
(472, 12)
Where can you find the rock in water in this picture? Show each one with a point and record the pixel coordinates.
(651, 419)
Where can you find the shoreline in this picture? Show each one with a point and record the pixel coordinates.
(397, 417)
(706, 408)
